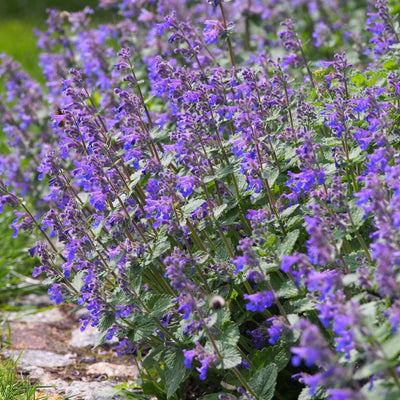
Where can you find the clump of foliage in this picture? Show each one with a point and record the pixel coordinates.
(221, 192)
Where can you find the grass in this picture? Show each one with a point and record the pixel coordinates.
(15, 387)
(18, 41)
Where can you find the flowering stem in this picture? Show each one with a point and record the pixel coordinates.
(228, 39)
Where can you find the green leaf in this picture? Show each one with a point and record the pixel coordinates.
(391, 348)
(219, 210)
(381, 390)
(278, 355)
(264, 381)
(222, 253)
(159, 304)
(271, 176)
(175, 370)
(154, 356)
(287, 290)
(105, 321)
(134, 179)
(289, 211)
(305, 394)
(390, 65)
(191, 206)
(230, 334)
(374, 367)
(286, 247)
(77, 281)
(359, 79)
(230, 355)
(357, 214)
(298, 306)
(145, 327)
(224, 171)
(160, 247)
(152, 389)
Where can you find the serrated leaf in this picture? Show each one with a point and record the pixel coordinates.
(230, 356)
(222, 253)
(278, 355)
(146, 326)
(319, 395)
(230, 334)
(289, 211)
(271, 176)
(192, 205)
(287, 245)
(134, 179)
(224, 171)
(160, 248)
(175, 370)
(219, 210)
(105, 321)
(300, 305)
(357, 214)
(287, 290)
(159, 304)
(77, 281)
(264, 381)
(166, 160)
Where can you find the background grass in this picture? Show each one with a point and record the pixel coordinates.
(17, 20)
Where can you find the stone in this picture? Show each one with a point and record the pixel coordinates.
(91, 390)
(48, 316)
(89, 337)
(113, 370)
(40, 358)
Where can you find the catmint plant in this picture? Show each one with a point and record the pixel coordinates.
(217, 188)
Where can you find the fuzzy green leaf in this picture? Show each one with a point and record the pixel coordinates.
(175, 370)
(230, 334)
(264, 381)
(278, 355)
(286, 247)
(374, 367)
(191, 206)
(230, 355)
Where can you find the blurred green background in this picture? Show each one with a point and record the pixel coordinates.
(17, 20)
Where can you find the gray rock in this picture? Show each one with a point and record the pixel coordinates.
(89, 337)
(48, 316)
(91, 390)
(40, 358)
(113, 370)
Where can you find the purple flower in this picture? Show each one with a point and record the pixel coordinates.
(259, 301)
(55, 293)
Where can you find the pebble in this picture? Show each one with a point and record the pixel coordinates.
(113, 370)
(48, 316)
(40, 358)
(89, 337)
